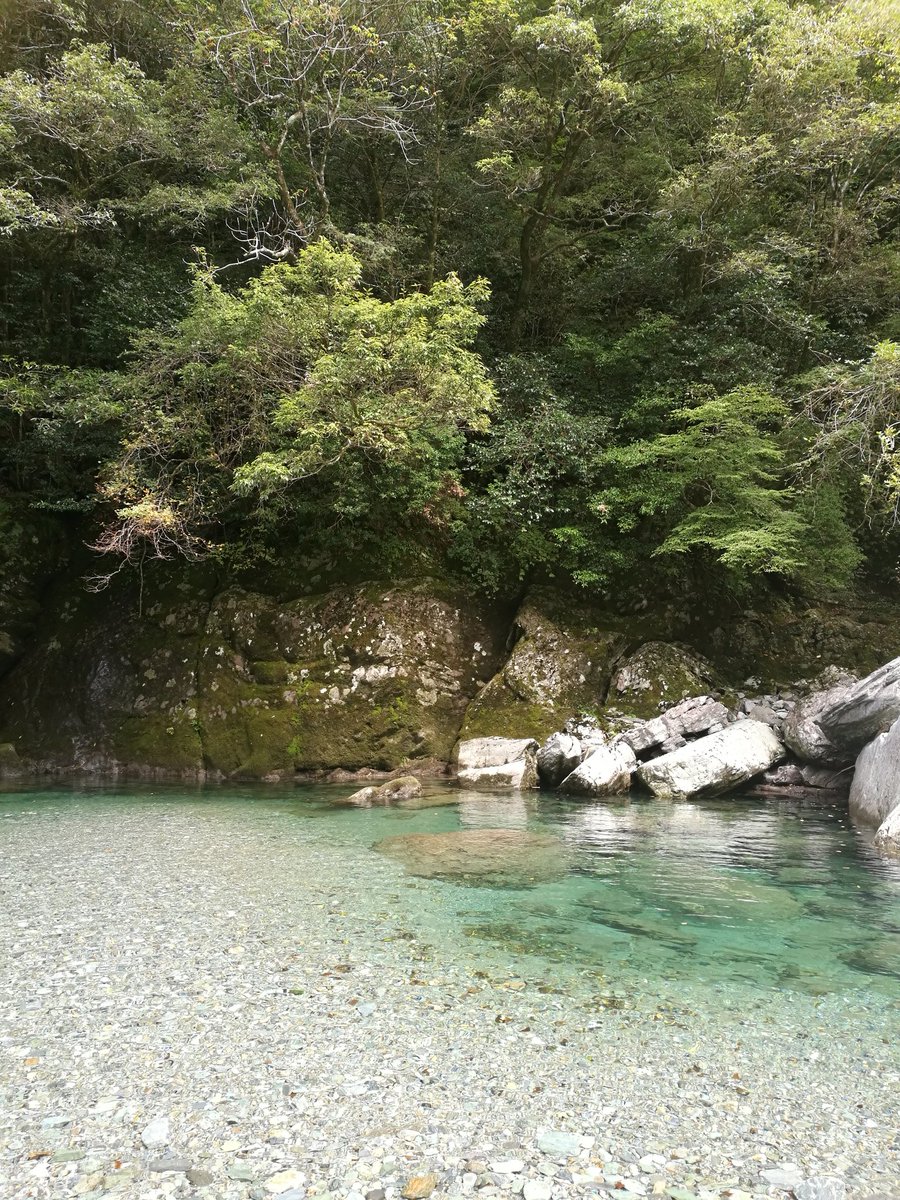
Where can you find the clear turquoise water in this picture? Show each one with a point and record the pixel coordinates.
(739, 897)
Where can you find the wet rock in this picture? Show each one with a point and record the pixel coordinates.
(557, 758)
(607, 772)
(875, 790)
(504, 857)
(715, 763)
(406, 787)
(888, 836)
(496, 763)
(866, 709)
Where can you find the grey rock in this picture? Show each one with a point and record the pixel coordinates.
(866, 709)
(669, 731)
(169, 1163)
(557, 758)
(156, 1133)
(559, 1144)
(803, 734)
(607, 772)
(875, 790)
(198, 1178)
(779, 1177)
(715, 763)
(513, 776)
(241, 1172)
(821, 1187)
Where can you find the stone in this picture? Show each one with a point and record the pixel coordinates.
(282, 1181)
(499, 857)
(830, 779)
(537, 1189)
(170, 1163)
(888, 836)
(865, 710)
(658, 675)
(241, 1172)
(557, 758)
(786, 1178)
(561, 662)
(715, 763)
(821, 1187)
(419, 1187)
(514, 776)
(406, 787)
(875, 790)
(508, 1166)
(198, 1178)
(689, 719)
(607, 772)
(498, 764)
(803, 734)
(156, 1133)
(557, 1144)
(787, 775)
(477, 753)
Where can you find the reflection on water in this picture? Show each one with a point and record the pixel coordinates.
(738, 895)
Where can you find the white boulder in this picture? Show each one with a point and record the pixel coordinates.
(875, 791)
(868, 708)
(498, 764)
(715, 763)
(888, 835)
(606, 772)
(557, 758)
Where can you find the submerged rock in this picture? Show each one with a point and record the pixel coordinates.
(557, 758)
(715, 763)
(407, 787)
(606, 772)
(506, 857)
(866, 709)
(498, 764)
(875, 790)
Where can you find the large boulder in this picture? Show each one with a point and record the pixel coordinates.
(888, 836)
(496, 763)
(875, 790)
(868, 708)
(557, 758)
(606, 772)
(406, 787)
(715, 763)
(561, 662)
(803, 734)
(689, 719)
(658, 675)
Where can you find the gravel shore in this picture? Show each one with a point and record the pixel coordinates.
(201, 999)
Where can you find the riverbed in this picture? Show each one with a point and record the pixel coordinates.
(234, 993)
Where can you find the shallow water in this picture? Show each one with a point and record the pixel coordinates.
(736, 899)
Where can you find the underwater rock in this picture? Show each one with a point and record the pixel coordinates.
(483, 857)
(715, 763)
(875, 790)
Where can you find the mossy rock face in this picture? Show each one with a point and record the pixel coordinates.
(363, 676)
(111, 686)
(560, 665)
(241, 684)
(658, 675)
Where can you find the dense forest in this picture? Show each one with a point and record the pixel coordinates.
(595, 291)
